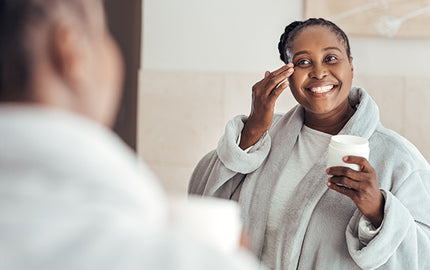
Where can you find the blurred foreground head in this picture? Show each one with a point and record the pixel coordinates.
(60, 53)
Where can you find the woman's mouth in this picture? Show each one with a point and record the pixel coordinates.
(322, 90)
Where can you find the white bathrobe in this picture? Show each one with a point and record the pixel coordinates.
(320, 225)
(73, 196)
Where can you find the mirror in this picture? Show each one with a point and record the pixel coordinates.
(200, 60)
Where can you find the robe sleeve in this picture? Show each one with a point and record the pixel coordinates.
(228, 162)
(403, 241)
(366, 230)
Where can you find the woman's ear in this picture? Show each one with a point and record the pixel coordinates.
(68, 54)
(352, 66)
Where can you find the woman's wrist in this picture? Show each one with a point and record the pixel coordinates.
(378, 216)
(250, 136)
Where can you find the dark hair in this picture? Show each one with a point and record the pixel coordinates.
(14, 50)
(18, 18)
(294, 28)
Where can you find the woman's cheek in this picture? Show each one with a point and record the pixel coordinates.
(297, 80)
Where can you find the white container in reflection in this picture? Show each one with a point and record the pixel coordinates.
(346, 145)
(214, 221)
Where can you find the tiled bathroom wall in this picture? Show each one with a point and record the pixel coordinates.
(182, 114)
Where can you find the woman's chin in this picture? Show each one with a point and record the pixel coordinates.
(320, 110)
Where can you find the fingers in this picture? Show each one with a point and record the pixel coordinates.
(345, 182)
(279, 89)
(343, 190)
(276, 79)
(264, 95)
(282, 69)
(360, 161)
(346, 172)
(357, 181)
(360, 186)
(348, 177)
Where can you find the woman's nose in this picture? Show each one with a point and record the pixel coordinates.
(318, 72)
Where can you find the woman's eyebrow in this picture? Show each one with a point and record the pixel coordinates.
(332, 48)
(301, 52)
(308, 52)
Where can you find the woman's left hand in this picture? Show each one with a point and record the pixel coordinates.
(361, 186)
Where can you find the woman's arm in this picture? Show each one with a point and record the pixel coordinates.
(264, 96)
(230, 160)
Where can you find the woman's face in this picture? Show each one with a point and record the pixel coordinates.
(323, 72)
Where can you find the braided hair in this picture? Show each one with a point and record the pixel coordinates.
(294, 28)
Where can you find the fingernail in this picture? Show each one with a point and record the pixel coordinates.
(345, 158)
(328, 184)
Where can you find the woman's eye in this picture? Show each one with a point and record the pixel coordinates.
(331, 59)
(303, 62)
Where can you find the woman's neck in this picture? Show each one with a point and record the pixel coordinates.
(330, 123)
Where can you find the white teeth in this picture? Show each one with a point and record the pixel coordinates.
(322, 89)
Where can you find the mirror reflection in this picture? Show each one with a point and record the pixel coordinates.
(260, 130)
(198, 73)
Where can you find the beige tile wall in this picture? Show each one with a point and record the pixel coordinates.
(182, 114)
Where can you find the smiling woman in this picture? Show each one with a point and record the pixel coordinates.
(298, 214)
(322, 78)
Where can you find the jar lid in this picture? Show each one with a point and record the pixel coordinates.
(341, 141)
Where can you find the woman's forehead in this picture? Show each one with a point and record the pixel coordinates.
(316, 38)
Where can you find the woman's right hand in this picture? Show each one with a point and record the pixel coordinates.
(264, 96)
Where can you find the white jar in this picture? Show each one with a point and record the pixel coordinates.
(346, 145)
